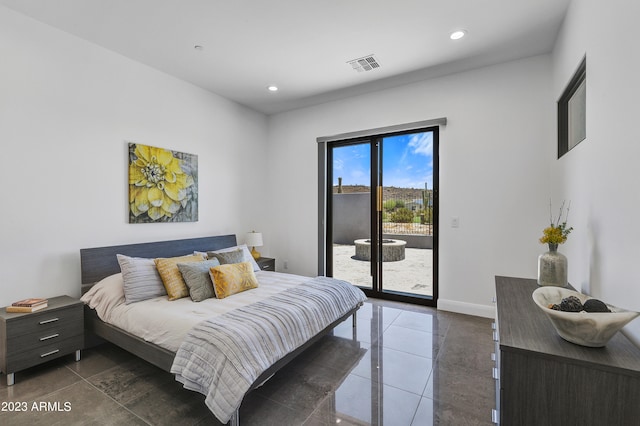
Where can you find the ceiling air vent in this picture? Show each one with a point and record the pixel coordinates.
(366, 63)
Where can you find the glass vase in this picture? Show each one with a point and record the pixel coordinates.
(552, 267)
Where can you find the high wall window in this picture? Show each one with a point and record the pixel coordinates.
(572, 111)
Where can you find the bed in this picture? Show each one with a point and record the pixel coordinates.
(174, 352)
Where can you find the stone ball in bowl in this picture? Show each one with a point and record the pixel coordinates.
(593, 329)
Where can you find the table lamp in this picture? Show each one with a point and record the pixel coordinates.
(254, 239)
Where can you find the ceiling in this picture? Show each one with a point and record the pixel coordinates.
(303, 46)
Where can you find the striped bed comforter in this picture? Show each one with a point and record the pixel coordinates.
(222, 357)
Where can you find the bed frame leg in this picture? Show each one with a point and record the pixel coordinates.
(354, 319)
(235, 419)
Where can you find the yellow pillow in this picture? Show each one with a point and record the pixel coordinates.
(171, 276)
(232, 278)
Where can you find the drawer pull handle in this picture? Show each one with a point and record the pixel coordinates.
(48, 321)
(50, 353)
(42, 339)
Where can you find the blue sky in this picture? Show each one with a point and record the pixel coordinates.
(407, 162)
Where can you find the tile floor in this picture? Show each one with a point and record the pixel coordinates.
(403, 365)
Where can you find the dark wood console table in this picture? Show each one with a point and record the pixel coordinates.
(542, 379)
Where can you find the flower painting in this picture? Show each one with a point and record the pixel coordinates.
(163, 185)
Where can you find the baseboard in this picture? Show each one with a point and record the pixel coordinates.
(467, 308)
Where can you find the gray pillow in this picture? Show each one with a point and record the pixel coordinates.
(141, 279)
(247, 255)
(236, 256)
(196, 277)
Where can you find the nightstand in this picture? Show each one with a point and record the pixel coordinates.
(29, 339)
(266, 263)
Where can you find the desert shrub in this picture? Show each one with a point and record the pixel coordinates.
(389, 205)
(402, 215)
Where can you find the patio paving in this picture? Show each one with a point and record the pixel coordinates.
(414, 274)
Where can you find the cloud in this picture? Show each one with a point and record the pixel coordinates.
(360, 177)
(338, 164)
(422, 143)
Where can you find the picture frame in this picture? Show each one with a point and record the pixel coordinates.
(572, 108)
(163, 185)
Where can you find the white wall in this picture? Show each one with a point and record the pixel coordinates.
(67, 108)
(495, 156)
(601, 175)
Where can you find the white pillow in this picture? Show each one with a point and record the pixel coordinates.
(105, 295)
(247, 254)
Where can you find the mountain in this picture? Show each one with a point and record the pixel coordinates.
(388, 192)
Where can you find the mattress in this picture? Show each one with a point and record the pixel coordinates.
(166, 323)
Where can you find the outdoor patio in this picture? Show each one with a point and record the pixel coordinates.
(414, 274)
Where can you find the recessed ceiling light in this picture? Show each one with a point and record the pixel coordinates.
(272, 88)
(457, 35)
(198, 47)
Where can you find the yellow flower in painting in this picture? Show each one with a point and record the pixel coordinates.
(157, 183)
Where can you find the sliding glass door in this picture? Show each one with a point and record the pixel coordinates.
(406, 179)
(382, 214)
(350, 201)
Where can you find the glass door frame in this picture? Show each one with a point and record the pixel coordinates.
(325, 240)
(373, 165)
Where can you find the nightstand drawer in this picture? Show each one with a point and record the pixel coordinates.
(33, 341)
(267, 267)
(52, 349)
(266, 263)
(69, 318)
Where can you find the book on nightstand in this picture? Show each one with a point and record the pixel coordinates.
(34, 301)
(26, 308)
(28, 305)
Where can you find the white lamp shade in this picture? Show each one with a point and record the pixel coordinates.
(254, 239)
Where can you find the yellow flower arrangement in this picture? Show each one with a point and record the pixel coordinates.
(157, 183)
(557, 232)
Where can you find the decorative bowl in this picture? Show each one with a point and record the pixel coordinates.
(593, 329)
